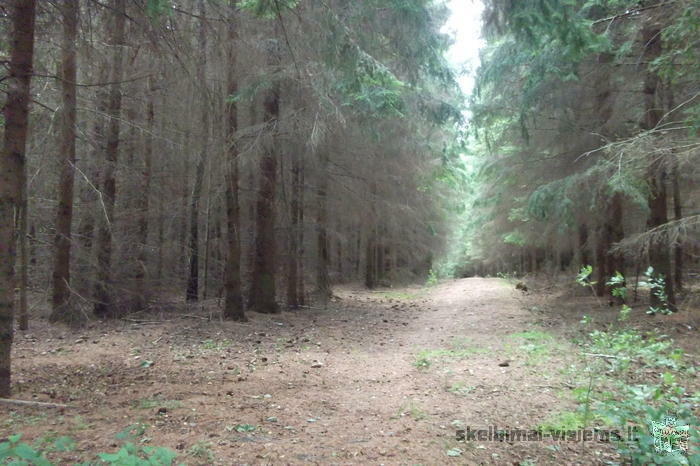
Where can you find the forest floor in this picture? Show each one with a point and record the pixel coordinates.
(384, 377)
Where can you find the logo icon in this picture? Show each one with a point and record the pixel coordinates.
(670, 436)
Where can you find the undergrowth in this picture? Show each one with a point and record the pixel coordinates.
(635, 381)
(15, 452)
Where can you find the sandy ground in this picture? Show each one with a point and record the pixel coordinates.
(377, 378)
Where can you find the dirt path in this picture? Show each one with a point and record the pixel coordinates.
(378, 378)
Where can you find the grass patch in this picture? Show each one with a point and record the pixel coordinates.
(19, 419)
(216, 345)
(426, 357)
(201, 450)
(460, 388)
(563, 421)
(422, 362)
(538, 346)
(535, 336)
(79, 423)
(459, 348)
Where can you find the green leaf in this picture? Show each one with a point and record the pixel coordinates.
(245, 428)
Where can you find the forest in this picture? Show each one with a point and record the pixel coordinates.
(287, 232)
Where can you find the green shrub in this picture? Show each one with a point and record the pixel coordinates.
(14, 452)
(19, 453)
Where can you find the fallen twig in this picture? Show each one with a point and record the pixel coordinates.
(192, 316)
(139, 321)
(602, 355)
(38, 404)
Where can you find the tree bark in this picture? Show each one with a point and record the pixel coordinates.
(616, 233)
(322, 280)
(584, 256)
(89, 194)
(263, 289)
(23, 257)
(183, 260)
(141, 275)
(612, 229)
(678, 215)
(233, 306)
(64, 216)
(659, 257)
(192, 293)
(207, 237)
(601, 254)
(293, 237)
(104, 306)
(12, 171)
(160, 218)
(370, 259)
(677, 202)
(358, 250)
(301, 190)
(379, 269)
(659, 253)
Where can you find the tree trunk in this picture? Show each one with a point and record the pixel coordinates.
(301, 190)
(678, 215)
(23, 255)
(192, 294)
(322, 281)
(379, 248)
(584, 257)
(89, 195)
(616, 262)
(293, 237)
(104, 306)
(659, 257)
(339, 257)
(263, 289)
(659, 253)
(12, 172)
(677, 203)
(160, 219)
(142, 261)
(183, 262)
(358, 250)
(371, 260)
(601, 254)
(62, 310)
(207, 238)
(193, 276)
(233, 306)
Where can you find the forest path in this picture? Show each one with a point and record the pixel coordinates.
(402, 393)
(383, 377)
(399, 380)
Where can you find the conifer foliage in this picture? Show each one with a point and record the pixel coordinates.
(586, 118)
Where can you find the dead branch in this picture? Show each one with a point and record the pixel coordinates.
(37, 404)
